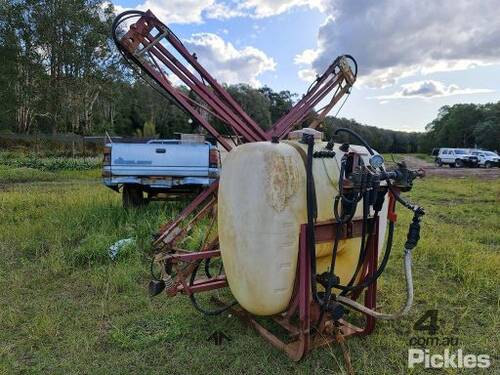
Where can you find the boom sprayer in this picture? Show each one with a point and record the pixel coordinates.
(297, 222)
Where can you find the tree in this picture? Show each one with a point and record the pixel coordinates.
(148, 130)
(253, 102)
(464, 125)
(487, 135)
(279, 102)
(59, 52)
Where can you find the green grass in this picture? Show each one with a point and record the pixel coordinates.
(426, 157)
(397, 157)
(51, 164)
(65, 307)
(9, 175)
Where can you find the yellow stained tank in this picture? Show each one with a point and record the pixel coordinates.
(262, 203)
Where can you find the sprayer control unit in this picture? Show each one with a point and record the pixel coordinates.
(367, 184)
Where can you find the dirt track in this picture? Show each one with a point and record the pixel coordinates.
(445, 171)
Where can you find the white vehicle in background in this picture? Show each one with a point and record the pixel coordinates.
(456, 157)
(161, 168)
(487, 159)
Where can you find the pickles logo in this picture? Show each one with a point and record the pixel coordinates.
(447, 360)
(428, 322)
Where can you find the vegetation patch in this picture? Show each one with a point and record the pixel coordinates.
(50, 164)
(68, 308)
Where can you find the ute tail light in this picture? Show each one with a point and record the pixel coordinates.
(106, 160)
(213, 158)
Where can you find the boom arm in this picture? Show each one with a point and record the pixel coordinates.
(156, 50)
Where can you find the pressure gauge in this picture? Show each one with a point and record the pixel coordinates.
(376, 161)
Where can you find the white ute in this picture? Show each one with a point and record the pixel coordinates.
(456, 157)
(160, 168)
(487, 159)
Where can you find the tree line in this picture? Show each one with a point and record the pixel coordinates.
(459, 125)
(60, 73)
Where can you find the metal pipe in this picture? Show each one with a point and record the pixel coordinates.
(409, 295)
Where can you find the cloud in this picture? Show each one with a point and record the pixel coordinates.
(307, 75)
(268, 8)
(176, 11)
(221, 11)
(227, 63)
(429, 89)
(195, 11)
(306, 57)
(392, 39)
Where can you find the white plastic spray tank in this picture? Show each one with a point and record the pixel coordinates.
(262, 204)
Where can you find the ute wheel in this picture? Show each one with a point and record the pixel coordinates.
(488, 164)
(439, 163)
(459, 163)
(132, 196)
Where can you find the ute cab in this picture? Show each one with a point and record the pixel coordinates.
(456, 157)
(487, 159)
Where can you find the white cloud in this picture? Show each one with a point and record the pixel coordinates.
(306, 57)
(176, 11)
(308, 75)
(195, 11)
(227, 63)
(428, 89)
(268, 8)
(221, 11)
(392, 39)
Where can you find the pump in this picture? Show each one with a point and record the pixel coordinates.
(299, 221)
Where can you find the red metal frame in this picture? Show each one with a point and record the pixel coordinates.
(153, 47)
(302, 319)
(147, 44)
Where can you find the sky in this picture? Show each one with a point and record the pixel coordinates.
(414, 56)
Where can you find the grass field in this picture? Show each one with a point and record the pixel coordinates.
(66, 308)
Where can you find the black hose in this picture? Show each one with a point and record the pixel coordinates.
(195, 302)
(363, 244)
(357, 136)
(355, 64)
(367, 282)
(311, 214)
(330, 283)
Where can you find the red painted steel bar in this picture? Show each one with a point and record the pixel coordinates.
(139, 41)
(169, 227)
(196, 85)
(213, 101)
(203, 285)
(219, 89)
(189, 257)
(302, 108)
(338, 75)
(371, 291)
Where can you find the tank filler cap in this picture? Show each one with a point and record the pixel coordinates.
(298, 134)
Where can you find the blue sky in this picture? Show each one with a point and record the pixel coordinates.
(414, 57)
